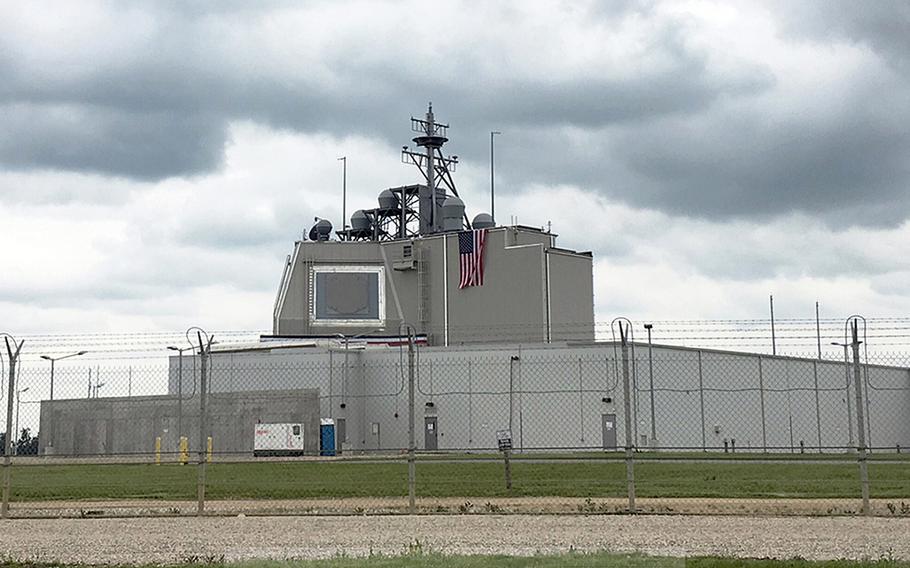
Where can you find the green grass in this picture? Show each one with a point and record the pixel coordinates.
(304, 480)
(600, 560)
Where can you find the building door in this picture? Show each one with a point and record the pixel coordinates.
(609, 431)
(341, 434)
(375, 439)
(430, 441)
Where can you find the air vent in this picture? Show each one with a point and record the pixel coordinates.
(406, 251)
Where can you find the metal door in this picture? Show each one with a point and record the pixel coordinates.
(608, 422)
(429, 433)
(375, 439)
(341, 434)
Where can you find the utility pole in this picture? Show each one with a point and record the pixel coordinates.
(13, 353)
(492, 177)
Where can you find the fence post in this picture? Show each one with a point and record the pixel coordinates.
(818, 413)
(761, 394)
(203, 438)
(10, 438)
(860, 421)
(412, 448)
(627, 408)
(701, 402)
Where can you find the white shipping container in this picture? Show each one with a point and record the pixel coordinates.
(278, 439)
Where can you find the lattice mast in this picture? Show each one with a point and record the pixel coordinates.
(436, 168)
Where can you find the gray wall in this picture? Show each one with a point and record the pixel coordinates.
(701, 397)
(569, 316)
(511, 306)
(121, 426)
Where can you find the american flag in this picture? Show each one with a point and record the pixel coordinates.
(470, 255)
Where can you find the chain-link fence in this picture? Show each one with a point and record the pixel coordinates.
(339, 427)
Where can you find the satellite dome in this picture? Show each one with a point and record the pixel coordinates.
(388, 200)
(483, 221)
(321, 230)
(360, 221)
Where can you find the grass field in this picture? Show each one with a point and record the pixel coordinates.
(308, 480)
(603, 560)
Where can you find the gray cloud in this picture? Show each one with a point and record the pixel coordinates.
(666, 128)
(140, 145)
(179, 82)
(883, 25)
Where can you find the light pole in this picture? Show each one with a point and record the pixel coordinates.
(492, 177)
(16, 429)
(97, 388)
(54, 360)
(846, 346)
(649, 327)
(344, 194)
(180, 351)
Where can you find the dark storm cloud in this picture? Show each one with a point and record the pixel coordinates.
(141, 145)
(160, 110)
(883, 25)
(682, 135)
(850, 167)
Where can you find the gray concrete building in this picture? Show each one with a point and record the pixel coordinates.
(129, 426)
(569, 396)
(532, 290)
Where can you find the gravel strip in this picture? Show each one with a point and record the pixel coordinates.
(171, 540)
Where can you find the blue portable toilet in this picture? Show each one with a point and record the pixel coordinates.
(326, 437)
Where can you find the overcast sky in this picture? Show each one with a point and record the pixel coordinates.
(158, 159)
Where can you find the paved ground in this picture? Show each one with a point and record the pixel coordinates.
(105, 541)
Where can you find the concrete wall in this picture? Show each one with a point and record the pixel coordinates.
(559, 393)
(570, 320)
(124, 426)
(511, 306)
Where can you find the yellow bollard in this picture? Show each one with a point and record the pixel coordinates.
(158, 450)
(184, 450)
(208, 454)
